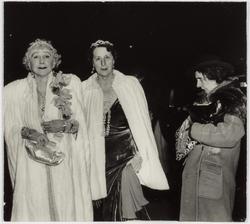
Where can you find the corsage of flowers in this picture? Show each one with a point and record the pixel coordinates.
(62, 100)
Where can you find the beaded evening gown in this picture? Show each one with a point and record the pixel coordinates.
(125, 198)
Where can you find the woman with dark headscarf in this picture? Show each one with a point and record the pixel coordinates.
(209, 140)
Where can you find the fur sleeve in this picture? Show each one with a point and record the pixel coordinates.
(232, 101)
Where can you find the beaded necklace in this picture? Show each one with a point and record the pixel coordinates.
(106, 123)
(107, 104)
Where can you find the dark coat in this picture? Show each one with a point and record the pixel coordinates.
(208, 180)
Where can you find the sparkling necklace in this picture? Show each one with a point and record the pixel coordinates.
(107, 101)
(106, 123)
(107, 104)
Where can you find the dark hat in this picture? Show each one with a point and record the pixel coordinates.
(216, 70)
(216, 63)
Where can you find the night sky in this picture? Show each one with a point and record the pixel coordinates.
(157, 40)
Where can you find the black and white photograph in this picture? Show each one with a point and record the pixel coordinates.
(124, 111)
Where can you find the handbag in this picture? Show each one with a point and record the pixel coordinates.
(43, 154)
(184, 144)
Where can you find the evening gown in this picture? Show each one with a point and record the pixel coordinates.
(125, 200)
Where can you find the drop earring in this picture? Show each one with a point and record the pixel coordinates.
(93, 70)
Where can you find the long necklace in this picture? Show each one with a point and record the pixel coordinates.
(106, 123)
(107, 103)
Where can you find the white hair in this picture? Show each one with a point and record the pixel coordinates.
(39, 43)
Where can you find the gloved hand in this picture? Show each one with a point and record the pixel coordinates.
(54, 126)
(33, 135)
(66, 126)
(97, 203)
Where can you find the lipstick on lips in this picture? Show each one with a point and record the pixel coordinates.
(43, 67)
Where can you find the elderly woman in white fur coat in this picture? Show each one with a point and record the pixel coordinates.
(47, 142)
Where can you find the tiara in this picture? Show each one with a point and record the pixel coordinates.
(39, 42)
(101, 42)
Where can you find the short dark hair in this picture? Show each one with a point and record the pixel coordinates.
(101, 43)
(215, 70)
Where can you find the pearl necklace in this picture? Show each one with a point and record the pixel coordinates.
(107, 103)
(106, 123)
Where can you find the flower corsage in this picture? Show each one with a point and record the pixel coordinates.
(62, 101)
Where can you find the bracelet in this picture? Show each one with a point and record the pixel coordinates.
(64, 126)
(67, 126)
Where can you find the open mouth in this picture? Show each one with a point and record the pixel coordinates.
(42, 68)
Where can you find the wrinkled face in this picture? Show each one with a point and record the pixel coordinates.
(41, 61)
(103, 61)
(204, 83)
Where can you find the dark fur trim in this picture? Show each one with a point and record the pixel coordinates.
(232, 101)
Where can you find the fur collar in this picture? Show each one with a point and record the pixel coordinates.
(230, 99)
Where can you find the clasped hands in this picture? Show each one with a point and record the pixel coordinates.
(53, 126)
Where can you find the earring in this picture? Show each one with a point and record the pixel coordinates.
(93, 70)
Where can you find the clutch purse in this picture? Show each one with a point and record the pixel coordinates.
(44, 154)
(184, 144)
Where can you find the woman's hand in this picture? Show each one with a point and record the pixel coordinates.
(66, 126)
(97, 203)
(33, 135)
(54, 126)
(136, 162)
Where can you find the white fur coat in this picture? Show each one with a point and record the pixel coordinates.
(41, 192)
(133, 101)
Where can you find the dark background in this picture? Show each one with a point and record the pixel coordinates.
(159, 41)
